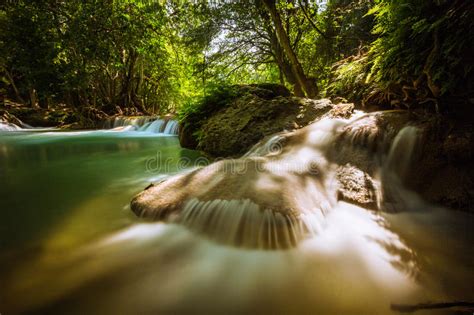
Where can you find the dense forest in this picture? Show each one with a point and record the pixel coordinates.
(160, 56)
(236, 157)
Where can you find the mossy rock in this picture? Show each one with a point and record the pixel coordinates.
(249, 113)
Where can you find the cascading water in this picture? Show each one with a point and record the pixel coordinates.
(8, 127)
(267, 233)
(143, 124)
(279, 193)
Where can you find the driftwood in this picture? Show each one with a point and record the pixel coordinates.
(458, 306)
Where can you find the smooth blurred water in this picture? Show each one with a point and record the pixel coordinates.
(83, 179)
(69, 243)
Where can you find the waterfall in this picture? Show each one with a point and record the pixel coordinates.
(266, 233)
(120, 121)
(171, 127)
(15, 124)
(395, 170)
(243, 223)
(8, 127)
(279, 193)
(143, 124)
(402, 152)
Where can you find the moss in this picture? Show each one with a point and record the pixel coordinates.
(193, 115)
(245, 116)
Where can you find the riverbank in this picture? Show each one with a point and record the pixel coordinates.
(16, 116)
(59, 116)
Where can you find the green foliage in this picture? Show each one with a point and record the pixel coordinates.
(133, 56)
(200, 108)
(349, 78)
(117, 55)
(346, 29)
(423, 44)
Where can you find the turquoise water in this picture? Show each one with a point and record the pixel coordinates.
(84, 180)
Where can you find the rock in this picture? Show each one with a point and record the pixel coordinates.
(187, 139)
(356, 186)
(255, 112)
(257, 201)
(339, 100)
(7, 118)
(249, 119)
(444, 173)
(342, 110)
(39, 117)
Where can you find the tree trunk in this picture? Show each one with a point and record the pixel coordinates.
(32, 97)
(307, 86)
(283, 65)
(15, 89)
(126, 90)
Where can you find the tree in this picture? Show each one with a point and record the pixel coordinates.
(304, 83)
(115, 55)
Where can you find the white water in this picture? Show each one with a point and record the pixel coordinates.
(337, 258)
(228, 251)
(8, 127)
(143, 124)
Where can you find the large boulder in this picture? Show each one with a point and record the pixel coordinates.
(268, 199)
(243, 117)
(356, 186)
(444, 172)
(250, 118)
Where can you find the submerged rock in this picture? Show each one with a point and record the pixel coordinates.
(272, 198)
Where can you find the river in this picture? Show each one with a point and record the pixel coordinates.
(69, 243)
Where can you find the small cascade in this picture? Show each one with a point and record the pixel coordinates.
(273, 198)
(280, 192)
(244, 224)
(402, 152)
(395, 170)
(171, 127)
(143, 124)
(155, 126)
(8, 127)
(135, 122)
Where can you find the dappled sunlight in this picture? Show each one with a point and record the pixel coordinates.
(236, 157)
